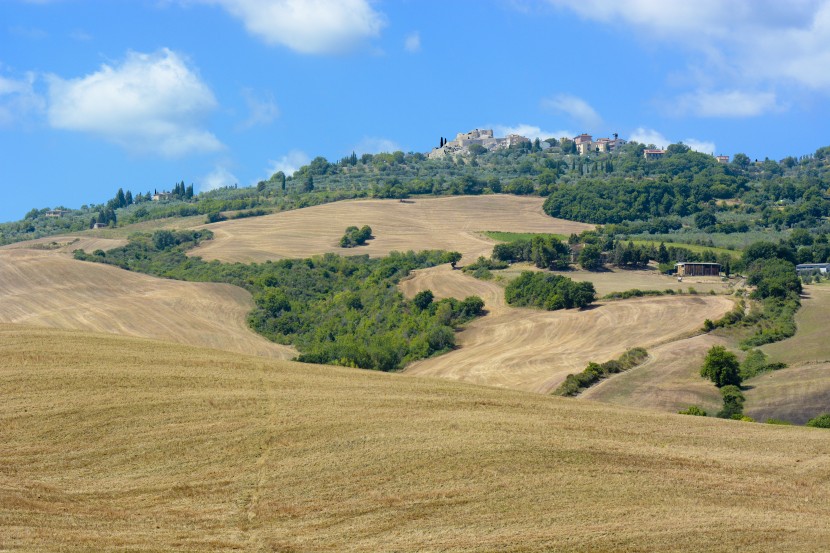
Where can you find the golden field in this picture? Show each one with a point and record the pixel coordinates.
(110, 443)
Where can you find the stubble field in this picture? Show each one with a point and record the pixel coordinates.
(113, 443)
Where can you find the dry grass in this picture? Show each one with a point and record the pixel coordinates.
(68, 244)
(47, 288)
(534, 350)
(802, 391)
(120, 444)
(452, 223)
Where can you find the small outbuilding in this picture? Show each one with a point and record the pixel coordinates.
(688, 268)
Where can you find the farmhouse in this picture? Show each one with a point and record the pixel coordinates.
(652, 155)
(57, 213)
(722, 159)
(159, 196)
(99, 225)
(586, 144)
(697, 269)
(822, 268)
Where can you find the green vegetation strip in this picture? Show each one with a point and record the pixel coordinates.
(501, 236)
(334, 310)
(594, 372)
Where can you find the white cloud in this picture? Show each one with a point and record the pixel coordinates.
(727, 103)
(262, 111)
(412, 43)
(307, 26)
(744, 45)
(376, 145)
(650, 136)
(18, 99)
(151, 103)
(529, 131)
(288, 164)
(700, 146)
(217, 178)
(574, 107)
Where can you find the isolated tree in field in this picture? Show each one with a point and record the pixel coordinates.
(721, 367)
(453, 258)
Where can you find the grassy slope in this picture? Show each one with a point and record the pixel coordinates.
(127, 444)
(801, 391)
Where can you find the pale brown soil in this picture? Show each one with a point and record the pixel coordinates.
(451, 223)
(534, 350)
(47, 288)
(110, 443)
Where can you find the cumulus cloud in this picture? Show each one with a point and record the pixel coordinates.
(262, 109)
(217, 178)
(288, 164)
(746, 43)
(307, 26)
(574, 107)
(18, 99)
(412, 43)
(376, 145)
(530, 131)
(150, 103)
(727, 103)
(650, 136)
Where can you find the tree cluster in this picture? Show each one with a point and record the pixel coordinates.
(547, 291)
(356, 236)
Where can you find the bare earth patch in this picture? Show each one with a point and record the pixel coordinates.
(46, 288)
(533, 350)
(452, 223)
(111, 443)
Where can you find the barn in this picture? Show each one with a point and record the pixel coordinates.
(688, 268)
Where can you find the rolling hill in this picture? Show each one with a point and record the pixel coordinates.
(115, 443)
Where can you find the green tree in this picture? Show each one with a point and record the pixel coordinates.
(423, 299)
(721, 367)
(453, 258)
(590, 258)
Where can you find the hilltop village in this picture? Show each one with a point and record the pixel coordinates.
(481, 140)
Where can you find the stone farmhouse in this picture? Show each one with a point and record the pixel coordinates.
(483, 137)
(585, 144)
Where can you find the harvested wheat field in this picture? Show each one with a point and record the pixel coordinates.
(620, 280)
(451, 223)
(68, 244)
(801, 391)
(114, 443)
(50, 289)
(668, 381)
(534, 350)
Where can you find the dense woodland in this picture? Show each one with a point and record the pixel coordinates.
(333, 309)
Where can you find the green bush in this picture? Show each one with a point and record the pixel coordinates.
(356, 236)
(821, 421)
(721, 367)
(594, 372)
(693, 410)
(733, 403)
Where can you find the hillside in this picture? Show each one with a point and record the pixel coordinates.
(534, 350)
(452, 223)
(128, 444)
(49, 288)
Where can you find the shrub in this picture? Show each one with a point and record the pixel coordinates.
(779, 421)
(356, 236)
(693, 410)
(733, 403)
(821, 421)
(594, 372)
(721, 367)
(546, 291)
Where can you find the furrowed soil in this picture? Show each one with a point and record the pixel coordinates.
(451, 223)
(49, 288)
(115, 443)
(534, 350)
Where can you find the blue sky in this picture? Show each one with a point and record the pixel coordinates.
(97, 95)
